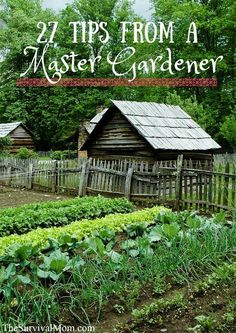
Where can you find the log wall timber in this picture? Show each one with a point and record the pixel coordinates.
(119, 139)
(21, 138)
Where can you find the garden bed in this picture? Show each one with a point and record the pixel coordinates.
(147, 271)
(15, 197)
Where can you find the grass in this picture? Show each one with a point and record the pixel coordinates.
(45, 158)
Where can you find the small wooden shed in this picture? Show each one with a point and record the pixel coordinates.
(21, 136)
(146, 131)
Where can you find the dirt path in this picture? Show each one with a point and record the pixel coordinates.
(13, 197)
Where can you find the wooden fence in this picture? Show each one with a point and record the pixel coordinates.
(207, 187)
(48, 176)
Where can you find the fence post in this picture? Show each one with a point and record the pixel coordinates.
(54, 176)
(226, 185)
(8, 175)
(84, 178)
(30, 176)
(179, 181)
(128, 182)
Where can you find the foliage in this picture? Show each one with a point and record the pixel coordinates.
(5, 143)
(57, 155)
(215, 38)
(54, 114)
(56, 264)
(62, 155)
(162, 311)
(29, 217)
(160, 306)
(96, 266)
(222, 275)
(25, 153)
(81, 228)
(228, 129)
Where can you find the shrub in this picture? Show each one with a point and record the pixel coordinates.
(54, 214)
(70, 154)
(5, 143)
(57, 155)
(25, 153)
(64, 154)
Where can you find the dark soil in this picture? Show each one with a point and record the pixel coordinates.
(212, 303)
(13, 197)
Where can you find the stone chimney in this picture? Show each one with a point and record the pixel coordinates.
(83, 135)
(100, 108)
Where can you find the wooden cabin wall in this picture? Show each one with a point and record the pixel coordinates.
(195, 156)
(21, 138)
(117, 139)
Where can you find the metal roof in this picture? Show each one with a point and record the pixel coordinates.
(165, 127)
(6, 129)
(90, 127)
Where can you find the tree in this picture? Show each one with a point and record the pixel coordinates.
(215, 23)
(5, 143)
(55, 113)
(228, 130)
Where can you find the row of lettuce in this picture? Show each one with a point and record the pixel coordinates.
(54, 214)
(81, 228)
(55, 219)
(100, 236)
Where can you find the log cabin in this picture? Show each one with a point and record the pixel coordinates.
(145, 131)
(20, 135)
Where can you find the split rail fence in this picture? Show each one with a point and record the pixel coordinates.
(208, 187)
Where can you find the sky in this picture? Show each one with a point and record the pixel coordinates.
(142, 7)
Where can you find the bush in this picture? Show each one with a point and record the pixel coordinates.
(54, 214)
(70, 154)
(25, 153)
(80, 229)
(64, 154)
(5, 144)
(57, 155)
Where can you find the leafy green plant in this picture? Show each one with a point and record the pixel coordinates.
(205, 324)
(20, 256)
(223, 274)
(149, 312)
(58, 155)
(85, 266)
(136, 230)
(129, 295)
(57, 263)
(220, 217)
(64, 154)
(82, 228)
(25, 153)
(170, 230)
(26, 218)
(160, 286)
(93, 245)
(5, 144)
(155, 234)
